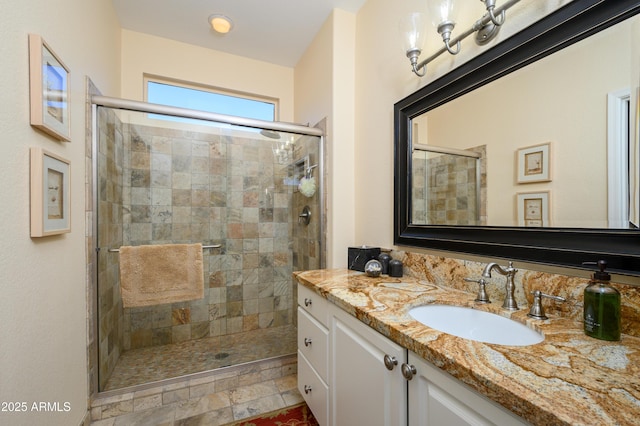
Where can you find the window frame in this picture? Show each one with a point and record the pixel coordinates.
(151, 78)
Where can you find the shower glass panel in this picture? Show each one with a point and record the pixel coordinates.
(447, 188)
(162, 180)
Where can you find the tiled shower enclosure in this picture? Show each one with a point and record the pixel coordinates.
(164, 180)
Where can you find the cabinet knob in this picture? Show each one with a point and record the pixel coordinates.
(408, 371)
(307, 302)
(307, 389)
(390, 362)
(307, 341)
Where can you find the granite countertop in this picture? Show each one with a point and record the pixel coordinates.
(569, 378)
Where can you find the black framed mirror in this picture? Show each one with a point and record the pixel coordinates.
(567, 247)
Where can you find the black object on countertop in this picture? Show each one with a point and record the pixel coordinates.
(359, 256)
(384, 259)
(395, 268)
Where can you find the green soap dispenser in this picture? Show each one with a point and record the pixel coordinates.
(601, 306)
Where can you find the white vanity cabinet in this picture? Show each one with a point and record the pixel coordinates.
(436, 398)
(349, 374)
(364, 390)
(313, 352)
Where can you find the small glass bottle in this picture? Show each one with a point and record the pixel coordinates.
(602, 307)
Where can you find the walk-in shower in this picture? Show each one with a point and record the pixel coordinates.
(242, 188)
(448, 185)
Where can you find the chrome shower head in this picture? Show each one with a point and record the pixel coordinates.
(270, 134)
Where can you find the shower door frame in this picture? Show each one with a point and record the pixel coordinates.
(144, 107)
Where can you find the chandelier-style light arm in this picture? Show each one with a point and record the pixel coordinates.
(489, 19)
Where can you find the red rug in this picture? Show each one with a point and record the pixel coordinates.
(299, 415)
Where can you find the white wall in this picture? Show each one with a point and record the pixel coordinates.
(43, 303)
(324, 81)
(143, 53)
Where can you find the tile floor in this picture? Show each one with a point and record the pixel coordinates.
(212, 398)
(145, 365)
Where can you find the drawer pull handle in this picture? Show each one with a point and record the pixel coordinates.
(408, 371)
(390, 362)
(307, 341)
(307, 302)
(307, 389)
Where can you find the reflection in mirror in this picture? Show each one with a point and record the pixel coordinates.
(449, 185)
(572, 113)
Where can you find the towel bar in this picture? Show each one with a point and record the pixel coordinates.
(112, 250)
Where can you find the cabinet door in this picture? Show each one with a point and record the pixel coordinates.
(363, 391)
(436, 398)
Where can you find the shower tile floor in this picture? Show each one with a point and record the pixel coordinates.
(145, 365)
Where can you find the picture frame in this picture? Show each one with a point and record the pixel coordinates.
(534, 163)
(49, 90)
(533, 209)
(50, 193)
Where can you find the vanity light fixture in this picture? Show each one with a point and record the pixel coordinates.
(443, 16)
(283, 150)
(220, 23)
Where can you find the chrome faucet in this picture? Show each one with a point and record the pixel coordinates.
(509, 272)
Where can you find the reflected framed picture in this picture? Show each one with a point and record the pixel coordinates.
(50, 194)
(533, 208)
(49, 90)
(534, 163)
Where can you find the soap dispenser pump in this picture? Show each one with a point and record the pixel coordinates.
(601, 306)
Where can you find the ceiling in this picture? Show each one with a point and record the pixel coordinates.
(275, 31)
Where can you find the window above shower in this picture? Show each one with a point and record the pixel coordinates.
(159, 90)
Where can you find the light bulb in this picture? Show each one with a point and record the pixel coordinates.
(414, 31)
(442, 11)
(220, 23)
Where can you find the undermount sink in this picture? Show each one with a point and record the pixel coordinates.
(476, 325)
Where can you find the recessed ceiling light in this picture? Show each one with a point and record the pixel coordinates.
(220, 23)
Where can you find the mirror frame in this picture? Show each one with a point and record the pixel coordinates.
(567, 247)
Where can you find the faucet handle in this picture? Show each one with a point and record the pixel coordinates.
(482, 296)
(537, 311)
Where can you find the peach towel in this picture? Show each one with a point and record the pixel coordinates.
(163, 273)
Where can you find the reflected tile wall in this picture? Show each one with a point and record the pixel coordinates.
(444, 190)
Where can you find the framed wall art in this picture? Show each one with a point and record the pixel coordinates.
(49, 90)
(533, 208)
(50, 194)
(534, 163)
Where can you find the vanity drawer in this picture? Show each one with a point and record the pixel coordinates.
(313, 340)
(314, 391)
(314, 304)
